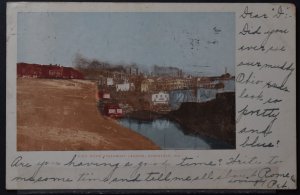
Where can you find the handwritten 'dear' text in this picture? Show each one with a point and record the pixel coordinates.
(264, 42)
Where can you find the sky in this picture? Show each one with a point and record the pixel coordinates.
(197, 42)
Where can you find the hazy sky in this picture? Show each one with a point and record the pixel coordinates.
(184, 40)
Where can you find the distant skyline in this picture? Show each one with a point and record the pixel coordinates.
(197, 42)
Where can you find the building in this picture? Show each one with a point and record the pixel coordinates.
(125, 87)
(160, 98)
(178, 83)
(122, 87)
(170, 83)
(103, 95)
(47, 71)
(106, 96)
(109, 81)
(202, 80)
(113, 110)
(131, 86)
(70, 73)
(102, 81)
(147, 85)
(132, 70)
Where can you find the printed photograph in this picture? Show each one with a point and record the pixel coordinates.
(125, 81)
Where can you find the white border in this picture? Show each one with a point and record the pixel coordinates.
(14, 8)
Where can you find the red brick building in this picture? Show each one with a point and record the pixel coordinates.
(113, 110)
(47, 71)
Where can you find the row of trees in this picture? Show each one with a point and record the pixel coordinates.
(93, 68)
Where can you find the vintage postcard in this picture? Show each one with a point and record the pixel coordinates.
(151, 96)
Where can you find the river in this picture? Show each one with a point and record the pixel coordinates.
(169, 135)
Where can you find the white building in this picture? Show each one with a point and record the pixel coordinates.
(125, 87)
(122, 87)
(160, 98)
(110, 82)
(106, 96)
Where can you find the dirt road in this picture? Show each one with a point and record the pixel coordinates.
(56, 115)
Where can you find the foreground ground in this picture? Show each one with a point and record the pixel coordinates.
(62, 115)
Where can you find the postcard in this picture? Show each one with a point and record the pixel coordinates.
(151, 96)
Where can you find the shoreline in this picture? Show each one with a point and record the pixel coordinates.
(185, 129)
(145, 115)
(186, 123)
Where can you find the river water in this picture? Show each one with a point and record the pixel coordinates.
(169, 135)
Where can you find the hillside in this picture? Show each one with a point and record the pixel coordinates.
(62, 115)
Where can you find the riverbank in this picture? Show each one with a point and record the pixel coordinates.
(56, 115)
(214, 119)
(145, 115)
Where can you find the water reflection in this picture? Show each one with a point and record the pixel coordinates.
(169, 135)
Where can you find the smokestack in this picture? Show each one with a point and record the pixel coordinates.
(225, 70)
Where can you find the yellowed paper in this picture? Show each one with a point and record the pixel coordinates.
(195, 55)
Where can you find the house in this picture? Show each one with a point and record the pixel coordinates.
(102, 81)
(113, 110)
(70, 73)
(147, 85)
(210, 83)
(132, 70)
(202, 81)
(102, 95)
(122, 87)
(160, 98)
(55, 72)
(47, 71)
(109, 81)
(178, 83)
(125, 87)
(106, 96)
(131, 87)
